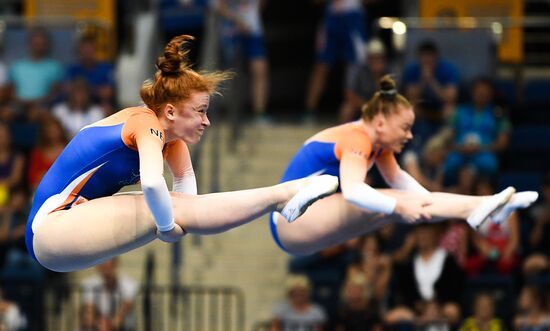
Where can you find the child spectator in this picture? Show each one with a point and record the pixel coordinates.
(484, 315)
(298, 312)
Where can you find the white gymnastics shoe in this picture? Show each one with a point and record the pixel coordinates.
(489, 207)
(518, 200)
(317, 188)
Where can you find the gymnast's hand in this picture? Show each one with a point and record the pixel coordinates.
(413, 211)
(171, 236)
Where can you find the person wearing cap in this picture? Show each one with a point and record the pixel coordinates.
(362, 80)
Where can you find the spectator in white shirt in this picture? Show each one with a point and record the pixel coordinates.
(78, 111)
(110, 296)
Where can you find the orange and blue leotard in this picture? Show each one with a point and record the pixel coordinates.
(322, 153)
(97, 162)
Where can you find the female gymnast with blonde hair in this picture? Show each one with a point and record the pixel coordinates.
(75, 222)
(349, 151)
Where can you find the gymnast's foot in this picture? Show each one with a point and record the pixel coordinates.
(489, 206)
(518, 200)
(311, 189)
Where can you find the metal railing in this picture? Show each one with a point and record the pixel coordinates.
(186, 308)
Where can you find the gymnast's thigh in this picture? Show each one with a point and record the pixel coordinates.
(92, 232)
(327, 222)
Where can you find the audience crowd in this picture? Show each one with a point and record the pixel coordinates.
(432, 277)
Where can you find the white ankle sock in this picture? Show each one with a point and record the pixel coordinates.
(518, 200)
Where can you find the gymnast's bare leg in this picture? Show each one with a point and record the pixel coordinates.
(99, 229)
(334, 220)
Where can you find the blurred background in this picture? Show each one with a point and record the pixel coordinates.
(478, 73)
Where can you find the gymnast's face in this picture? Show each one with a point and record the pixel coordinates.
(189, 119)
(394, 131)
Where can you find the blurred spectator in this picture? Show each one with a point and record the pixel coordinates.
(373, 266)
(408, 245)
(431, 84)
(431, 318)
(298, 313)
(79, 110)
(11, 165)
(13, 218)
(98, 74)
(532, 312)
(431, 274)
(358, 313)
(188, 17)
(36, 79)
(242, 37)
(455, 240)
(480, 131)
(4, 83)
(428, 316)
(484, 315)
(3, 74)
(341, 36)
(326, 271)
(540, 260)
(110, 298)
(362, 80)
(11, 318)
(51, 142)
(391, 238)
(496, 245)
(7, 111)
(427, 167)
(466, 184)
(90, 320)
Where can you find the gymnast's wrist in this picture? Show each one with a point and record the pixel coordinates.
(167, 227)
(389, 206)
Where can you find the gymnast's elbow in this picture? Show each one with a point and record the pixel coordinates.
(152, 183)
(349, 193)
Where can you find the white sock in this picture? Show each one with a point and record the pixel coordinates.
(317, 188)
(518, 200)
(488, 206)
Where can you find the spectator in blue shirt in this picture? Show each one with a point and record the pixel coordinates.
(36, 79)
(98, 74)
(431, 84)
(480, 131)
